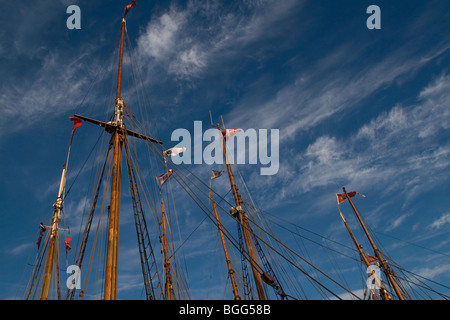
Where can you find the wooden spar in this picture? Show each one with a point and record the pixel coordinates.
(167, 265)
(53, 254)
(53, 238)
(243, 220)
(230, 269)
(112, 254)
(384, 294)
(118, 131)
(109, 127)
(119, 73)
(375, 249)
(49, 261)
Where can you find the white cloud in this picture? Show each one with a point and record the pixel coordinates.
(351, 295)
(397, 222)
(56, 87)
(387, 123)
(396, 151)
(325, 149)
(20, 248)
(190, 61)
(318, 94)
(433, 272)
(160, 37)
(388, 153)
(186, 41)
(443, 220)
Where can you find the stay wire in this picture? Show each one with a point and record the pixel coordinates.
(203, 192)
(314, 280)
(97, 75)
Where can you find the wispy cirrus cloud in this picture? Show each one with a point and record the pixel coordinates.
(187, 40)
(19, 249)
(325, 89)
(443, 220)
(404, 149)
(432, 271)
(54, 89)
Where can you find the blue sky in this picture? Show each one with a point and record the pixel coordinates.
(365, 109)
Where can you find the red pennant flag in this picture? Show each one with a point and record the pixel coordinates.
(371, 259)
(66, 241)
(341, 197)
(76, 122)
(228, 133)
(129, 6)
(43, 229)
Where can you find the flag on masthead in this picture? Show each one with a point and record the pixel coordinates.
(128, 7)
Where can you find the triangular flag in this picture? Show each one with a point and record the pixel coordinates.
(174, 151)
(66, 241)
(228, 133)
(129, 6)
(371, 259)
(43, 229)
(163, 178)
(341, 197)
(76, 122)
(216, 173)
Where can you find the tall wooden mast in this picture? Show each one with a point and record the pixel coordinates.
(167, 265)
(384, 294)
(112, 254)
(119, 134)
(230, 269)
(52, 254)
(243, 220)
(375, 249)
